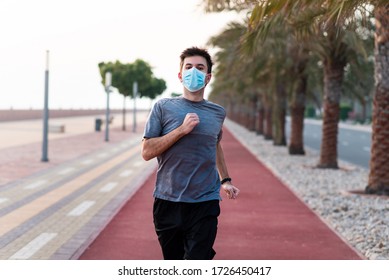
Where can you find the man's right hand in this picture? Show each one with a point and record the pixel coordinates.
(189, 123)
(153, 147)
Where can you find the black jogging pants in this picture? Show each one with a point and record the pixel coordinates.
(186, 230)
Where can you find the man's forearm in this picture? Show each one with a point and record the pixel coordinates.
(153, 147)
(220, 163)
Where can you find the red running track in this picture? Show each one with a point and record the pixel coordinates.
(267, 221)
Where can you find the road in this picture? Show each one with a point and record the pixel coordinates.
(354, 142)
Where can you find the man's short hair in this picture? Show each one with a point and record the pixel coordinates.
(195, 51)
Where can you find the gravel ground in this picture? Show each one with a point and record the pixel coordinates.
(361, 220)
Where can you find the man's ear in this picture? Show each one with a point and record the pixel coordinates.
(208, 78)
(180, 76)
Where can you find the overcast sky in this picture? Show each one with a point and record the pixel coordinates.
(81, 33)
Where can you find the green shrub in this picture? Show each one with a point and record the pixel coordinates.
(310, 112)
(345, 109)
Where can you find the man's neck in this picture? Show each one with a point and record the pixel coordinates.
(194, 96)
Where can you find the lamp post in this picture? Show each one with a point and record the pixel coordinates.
(135, 93)
(108, 80)
(46, 113)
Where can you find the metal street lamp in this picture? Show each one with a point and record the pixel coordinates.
(135, 93)
(108, 81)
(46, 113)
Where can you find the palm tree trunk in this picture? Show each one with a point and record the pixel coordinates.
(379, 163)
(296, 146)
(268, 123)
(364, 109)
(253, 110)
(231, 110)
(279, 115)
(333, 78)
(259, 127)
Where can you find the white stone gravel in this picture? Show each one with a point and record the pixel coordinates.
(361, 220)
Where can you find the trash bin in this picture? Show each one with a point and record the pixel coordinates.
(98, 123)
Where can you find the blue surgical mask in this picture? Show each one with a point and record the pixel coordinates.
(193, 79)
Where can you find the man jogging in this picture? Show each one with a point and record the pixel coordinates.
(184, 134)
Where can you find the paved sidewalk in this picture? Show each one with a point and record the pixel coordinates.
(57, 209)
(21, 143)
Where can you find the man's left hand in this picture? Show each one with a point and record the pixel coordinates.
(231, 191)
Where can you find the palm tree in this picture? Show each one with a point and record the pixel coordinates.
(299, 54)
(378, 182)
(334, 60)
(294, 73)
(379, 162)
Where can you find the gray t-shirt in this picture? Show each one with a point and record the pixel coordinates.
(187, 171)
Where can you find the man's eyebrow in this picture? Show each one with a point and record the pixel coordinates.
(198, 64)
